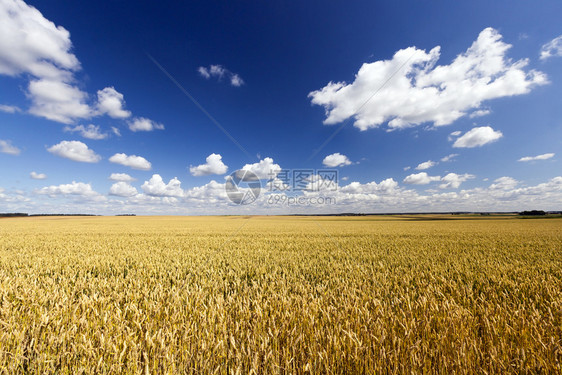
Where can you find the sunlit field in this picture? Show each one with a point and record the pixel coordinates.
(280, 295)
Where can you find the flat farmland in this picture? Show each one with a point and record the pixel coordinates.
(280, 295)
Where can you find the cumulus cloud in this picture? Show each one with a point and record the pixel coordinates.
(421, 178)
(143, 124)
(336, 160)
(426, 165)
(213, 165)
(453, 180)
(449, 157)
(58, 101)
(407, 168)
(121, 177)
(477, 137)
(6, 147)
(123, 189)
(504, 194)
(37, 176)
(219, 72)
(385, 186)
(112, 103)
(36, 48)
(453, 135)
(133, 161)
(480, 113)
(12, 200)
(9, 108)
(32, 44)
(75, 188)
(265, 169)
(409, 89)
(504, 183)
(156, 187)
(552, 48)
(74, 150)
(205, 73)
(538, 157)
(236, 80)
(91, 131)
(210, 193)
(116, 131)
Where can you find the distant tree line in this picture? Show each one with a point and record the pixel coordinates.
(23, 214)
(20, 214)
(532, 213)
(13, 214)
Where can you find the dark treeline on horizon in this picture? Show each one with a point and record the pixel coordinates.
(521, 213)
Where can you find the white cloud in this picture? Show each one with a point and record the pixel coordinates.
(6, 147)
(133, 161)
(74, 188)
(453, 135)
(9, 108)
(504, 183)
(58, 101)
(112, 103)
(505, 194)
(116, 131)
(453, 180)
(214, 165)
(236, 80)
(336, 160)
(12, 200)
(124, 177)
(421, 92)
(74, 150)
(210, 193)
(266, 169)
(480, 113)
(421, 178)
(91, 131)
(144, 124)
(449, 157)
(385, 186)
(426, 165)
(538, 157)
(552, 48)
(32, 44)
(204, 72)
(156, 187)
(219, 72)
(477, 137)
(35, 47)
(123, 189)
(37, 176)
(407, 168)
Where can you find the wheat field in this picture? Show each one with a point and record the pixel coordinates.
(280, 295)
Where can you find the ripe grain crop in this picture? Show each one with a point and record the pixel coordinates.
(280, 295)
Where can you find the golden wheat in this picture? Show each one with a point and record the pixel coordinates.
(271, 295)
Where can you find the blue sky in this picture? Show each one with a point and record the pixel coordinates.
(89, 122)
